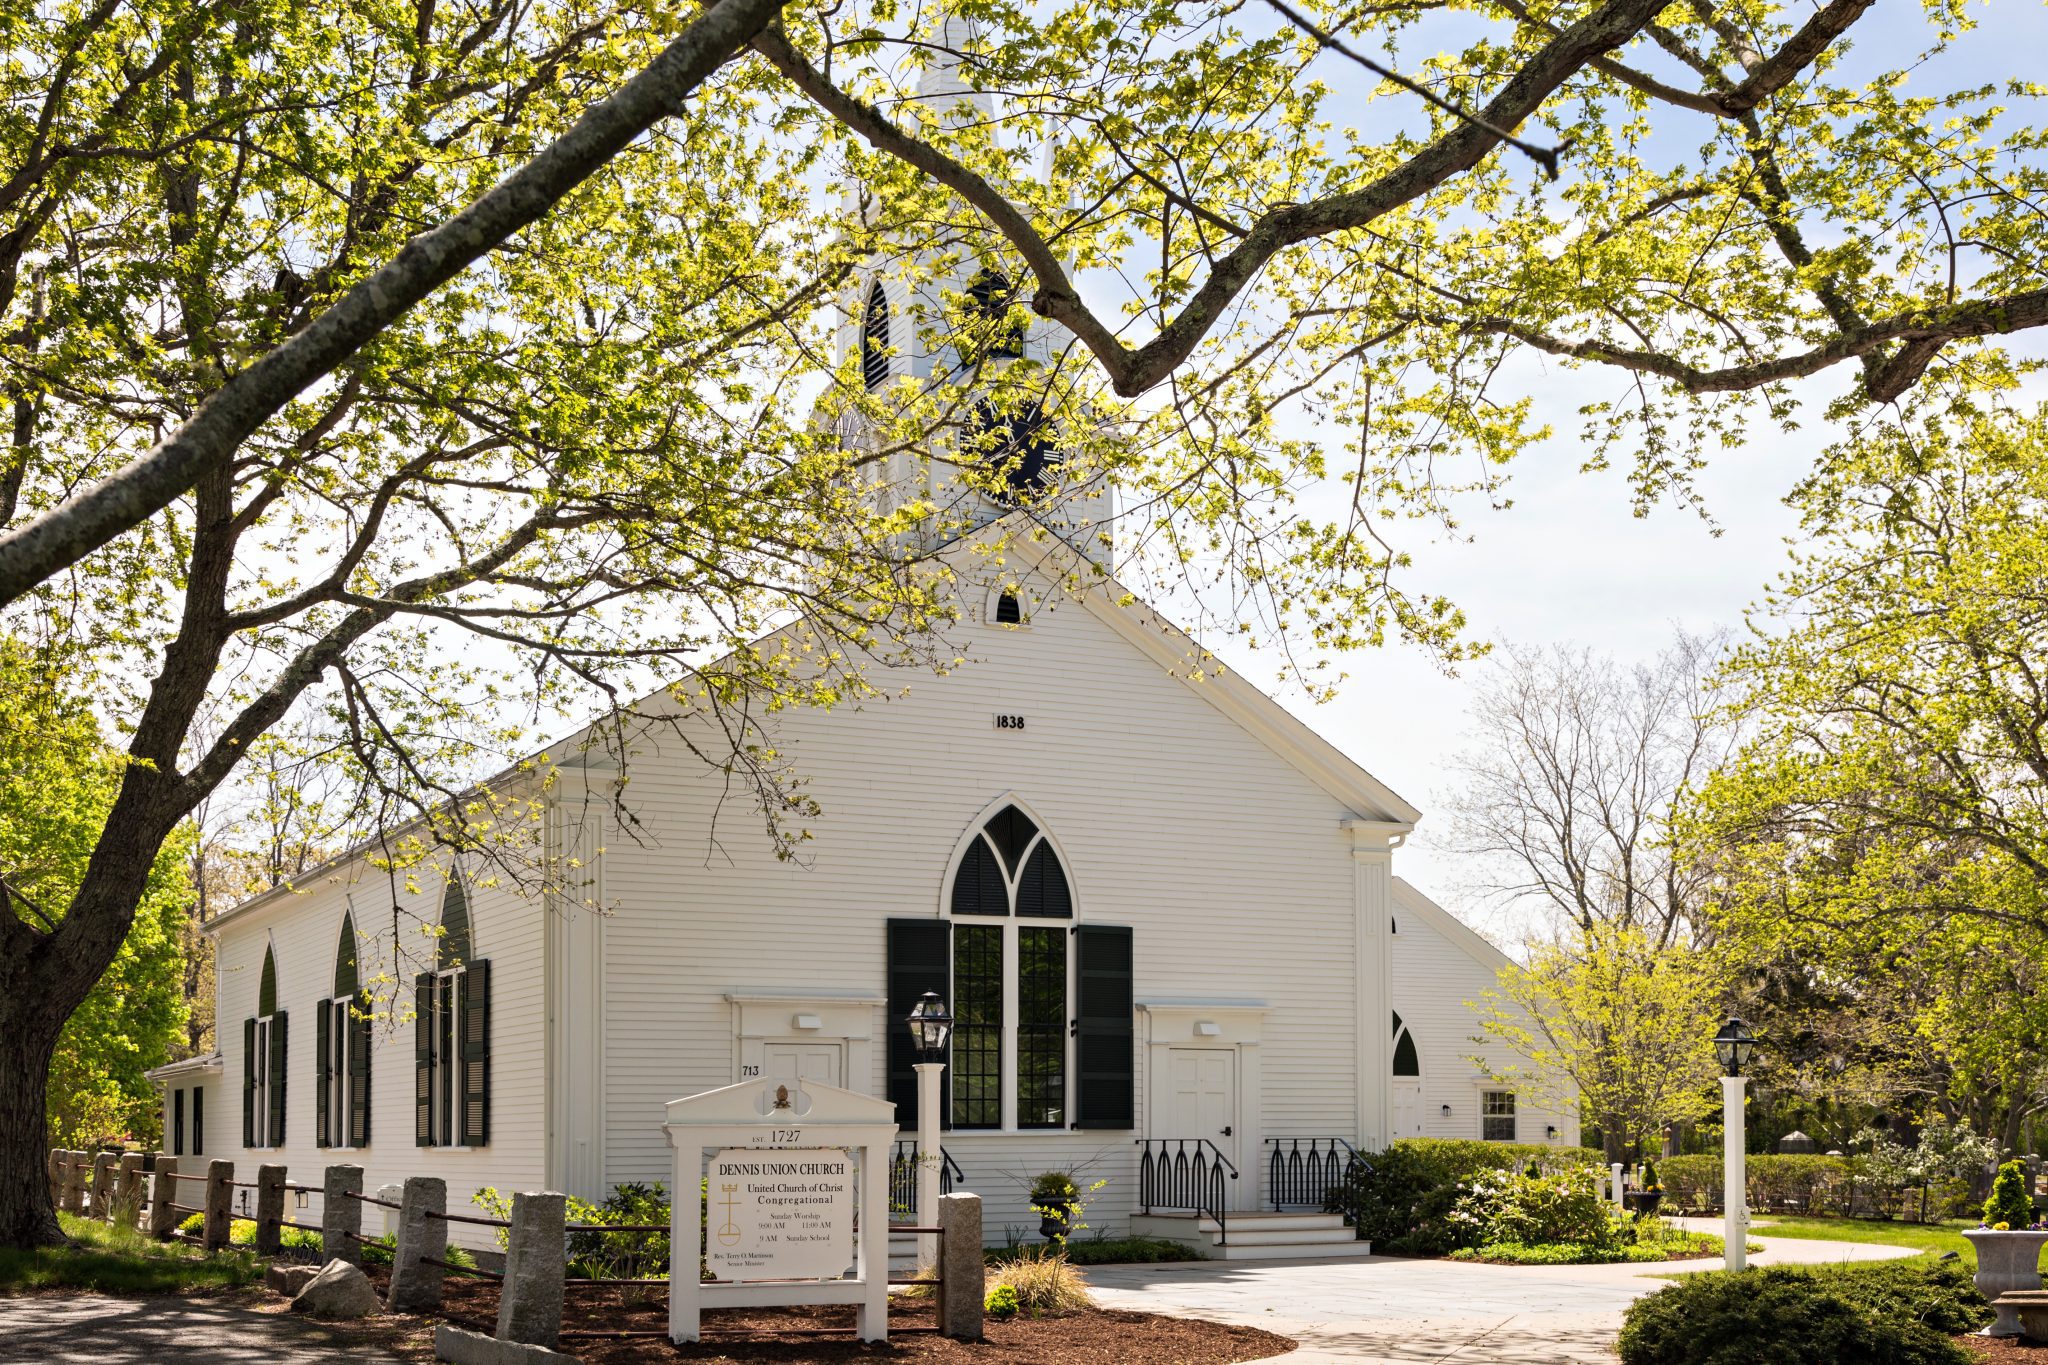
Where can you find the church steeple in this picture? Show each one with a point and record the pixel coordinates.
(934, 313)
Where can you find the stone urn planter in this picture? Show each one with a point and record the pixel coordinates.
(2006, 1261)
(1643, 1203)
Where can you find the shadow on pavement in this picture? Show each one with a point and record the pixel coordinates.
(93, 1329)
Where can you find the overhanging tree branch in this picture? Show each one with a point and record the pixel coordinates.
(83, 523)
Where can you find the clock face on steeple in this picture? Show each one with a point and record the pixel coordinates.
(1020, 447)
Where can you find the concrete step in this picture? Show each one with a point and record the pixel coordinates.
(1254, 1236)
(1236, 1251)
(1238, 1236)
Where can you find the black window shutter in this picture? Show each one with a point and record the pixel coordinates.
(920, 960)
(323, 1070)
(423, 1060)
(473, 1019)
(359, 1072)
(277, 1056)
(177, 1123)
(198, 1120)
(248, 1082)
(1106, 1092)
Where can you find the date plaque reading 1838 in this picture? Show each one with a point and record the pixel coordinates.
(779, 1213)
(1007, 721)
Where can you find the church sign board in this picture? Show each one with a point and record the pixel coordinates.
(796, 1206)
(781, 1214)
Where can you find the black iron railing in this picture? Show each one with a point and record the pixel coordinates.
(1186, 1174)
(904, 1174)
(1302, 1171)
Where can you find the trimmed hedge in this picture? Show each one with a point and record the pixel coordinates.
(1881, 1313)
(1401, 1201)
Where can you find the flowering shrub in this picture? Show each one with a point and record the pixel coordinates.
(1504, 1207)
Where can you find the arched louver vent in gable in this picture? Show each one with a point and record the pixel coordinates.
(1008, 610)
(1013, 832)
(1042, 890)
(874, 338)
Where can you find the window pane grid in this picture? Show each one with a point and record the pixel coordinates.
(1497, 1116)
(978, 1026)
(1041, 1028)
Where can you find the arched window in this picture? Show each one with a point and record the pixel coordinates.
(1407, 1061)
(342, 1052)
(452, 1044)
(996, 334)
(874, 338)
(1008, 611)
(1011, 978)
(263, 1054)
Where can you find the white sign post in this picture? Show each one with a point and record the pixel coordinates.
(796, 1191)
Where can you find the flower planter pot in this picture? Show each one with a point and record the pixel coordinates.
(2006, 1261)
(1055, 1221)
(1642, 1202)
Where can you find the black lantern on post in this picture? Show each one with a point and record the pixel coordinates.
(930, 1025)
(1734, 1045)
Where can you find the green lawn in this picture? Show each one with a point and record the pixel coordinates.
(123, 1261)
(1936, 1237)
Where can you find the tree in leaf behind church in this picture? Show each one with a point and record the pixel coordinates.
(57, 781)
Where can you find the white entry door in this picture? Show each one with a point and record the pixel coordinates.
(1407, 1109)
(802, 1062)
(1201, 1099)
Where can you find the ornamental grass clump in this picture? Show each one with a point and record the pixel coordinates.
(1046, 1286)
(2010, 1208)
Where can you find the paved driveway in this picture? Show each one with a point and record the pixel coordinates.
(1395, 1311)
(94, 1329)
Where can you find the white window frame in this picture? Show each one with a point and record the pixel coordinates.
(1512, 1115)
(261, 1042)
(444, 1072)
(338, 1061)
(1012, 927)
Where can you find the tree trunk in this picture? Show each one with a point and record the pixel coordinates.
(27, 1042)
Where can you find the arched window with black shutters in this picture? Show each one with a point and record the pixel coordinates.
(452, 1034)
(874, 337)
(263, 1060)
(997, 333)
(341, 1106)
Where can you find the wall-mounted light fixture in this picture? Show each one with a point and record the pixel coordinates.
(1550, 1132)
(1447, 1111)
(1208, 1028)
(809, 1022)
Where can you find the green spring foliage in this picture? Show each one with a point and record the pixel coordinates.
(107, 1259)
(1887, 1313)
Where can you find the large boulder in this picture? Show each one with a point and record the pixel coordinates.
(288, 1279)
(338, 1290)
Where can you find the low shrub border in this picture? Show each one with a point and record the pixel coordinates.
(1882, 1313)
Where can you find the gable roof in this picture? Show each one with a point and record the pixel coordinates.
(1177, 652)
(1152, 635)
(1448, 926)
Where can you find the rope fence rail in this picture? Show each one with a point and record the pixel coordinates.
(462, 1269)
(465, 1218)
(369, 1199)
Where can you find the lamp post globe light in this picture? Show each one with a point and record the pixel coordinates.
(931, 1024)
(1734, 1047)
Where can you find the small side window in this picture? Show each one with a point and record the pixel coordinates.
(1497, 1116)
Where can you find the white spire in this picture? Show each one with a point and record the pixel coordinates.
(940, 83)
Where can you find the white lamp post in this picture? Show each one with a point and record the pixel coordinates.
(1734, 1045)
(930, 1025)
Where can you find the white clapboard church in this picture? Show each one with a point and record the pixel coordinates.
(1163, 912)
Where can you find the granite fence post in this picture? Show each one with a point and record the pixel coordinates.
(962, 1282)
(104, 1165)
(219, 1203)
(416, 1285)
(55, 1167)
(75, 1169)
(163, 1193)
(127, 1206)
(536, 1259)
(341, 1215)
(269, 1210)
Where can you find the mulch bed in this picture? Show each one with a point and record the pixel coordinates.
(2006, 1350)
(1104, 1337)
